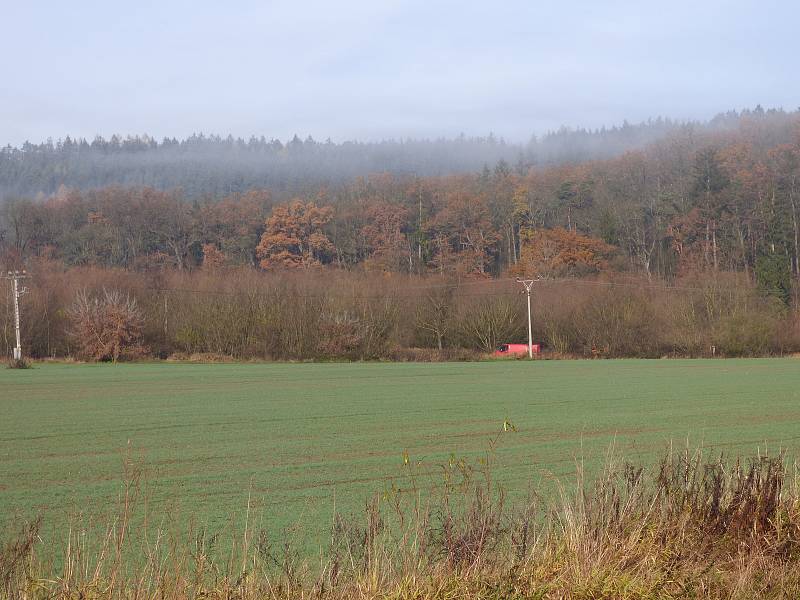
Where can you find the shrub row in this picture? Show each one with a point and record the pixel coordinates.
(329, 314)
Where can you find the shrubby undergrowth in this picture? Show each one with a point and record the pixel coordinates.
(111, 314)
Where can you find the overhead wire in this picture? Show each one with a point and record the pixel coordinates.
(456, 286)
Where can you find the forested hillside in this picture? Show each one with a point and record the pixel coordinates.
(689, 245)
(212, 166)
(720, 200)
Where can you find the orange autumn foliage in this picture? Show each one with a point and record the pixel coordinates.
(293, 237)
(213, 258)
(561, 253)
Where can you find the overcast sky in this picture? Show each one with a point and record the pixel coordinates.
(371, 69)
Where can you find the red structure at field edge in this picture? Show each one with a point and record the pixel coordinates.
(516, 349)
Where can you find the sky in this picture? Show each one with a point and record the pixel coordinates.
(375, 69)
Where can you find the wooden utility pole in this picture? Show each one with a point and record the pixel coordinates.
(17, 290)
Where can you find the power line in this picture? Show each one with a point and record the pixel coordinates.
(239, 294)
(455, 286)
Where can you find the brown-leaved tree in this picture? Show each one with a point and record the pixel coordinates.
(561, 253)
(294, 236)
(107, 326)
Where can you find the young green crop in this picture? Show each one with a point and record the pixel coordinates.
(299, 439)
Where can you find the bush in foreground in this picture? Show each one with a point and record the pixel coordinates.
(684, 529)
(19, 363)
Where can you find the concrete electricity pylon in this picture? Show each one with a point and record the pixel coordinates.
(528, 283)
(16, 277)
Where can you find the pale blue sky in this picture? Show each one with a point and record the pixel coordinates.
(373, 69)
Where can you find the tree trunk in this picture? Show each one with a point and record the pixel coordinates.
(714, 246)
(509, 233)
(794, 224)
(514, 244)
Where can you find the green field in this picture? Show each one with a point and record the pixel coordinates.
(294, 437)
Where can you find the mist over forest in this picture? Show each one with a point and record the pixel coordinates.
(245, 201)
(684, 236)
(214, 166)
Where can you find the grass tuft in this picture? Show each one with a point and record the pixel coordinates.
(688, 528)
(19, 363)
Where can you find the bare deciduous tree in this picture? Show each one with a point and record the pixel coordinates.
(490, 322)
(107, 326)
(435, 313)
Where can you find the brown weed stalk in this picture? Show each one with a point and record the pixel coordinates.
(686, 528)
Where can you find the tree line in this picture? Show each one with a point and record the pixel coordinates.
(687, 246)
(107, 314)
(211, 166)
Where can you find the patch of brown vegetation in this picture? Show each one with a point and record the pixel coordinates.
(688, 528)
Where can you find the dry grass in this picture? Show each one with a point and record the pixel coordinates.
(19, 363)
(687, 528)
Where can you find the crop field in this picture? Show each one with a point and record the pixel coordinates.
(296, 440)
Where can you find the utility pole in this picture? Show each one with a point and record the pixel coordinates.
(528, 283)
(17, 290)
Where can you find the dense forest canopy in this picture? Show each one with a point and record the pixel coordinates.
(687, 245)
(723, 198)
(212, 166)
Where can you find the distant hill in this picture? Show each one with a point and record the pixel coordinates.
(214, 166)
